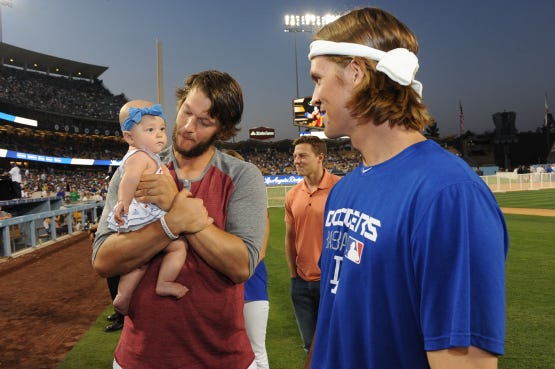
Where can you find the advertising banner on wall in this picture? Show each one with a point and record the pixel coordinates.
(261, 133)
(282, 180)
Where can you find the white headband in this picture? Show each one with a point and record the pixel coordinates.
(399, 64)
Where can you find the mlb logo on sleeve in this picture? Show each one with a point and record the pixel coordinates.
(354, 250)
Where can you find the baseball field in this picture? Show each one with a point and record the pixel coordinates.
(53, 307)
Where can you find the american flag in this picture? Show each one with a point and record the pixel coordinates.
(461, 118)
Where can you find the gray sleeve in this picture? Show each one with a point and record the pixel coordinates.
(247, 211)
(102, 231)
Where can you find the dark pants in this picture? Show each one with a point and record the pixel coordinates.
(113, 286)
(306, 298)
(16, 190)
(117, 318)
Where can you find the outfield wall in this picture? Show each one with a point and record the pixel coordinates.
(504, 181)
(500, 182)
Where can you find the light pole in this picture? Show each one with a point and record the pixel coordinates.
(305, 23)
(3, 3)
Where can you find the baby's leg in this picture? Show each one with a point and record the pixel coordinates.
(173, 261)
(126, 286)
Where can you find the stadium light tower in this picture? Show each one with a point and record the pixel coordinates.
(3, 3)
(305, 23)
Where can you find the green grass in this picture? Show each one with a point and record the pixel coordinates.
(530, 339)
(538, 199)
(95, 350)
(276, 195)
(283, 341)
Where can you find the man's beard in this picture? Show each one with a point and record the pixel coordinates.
(196, 151)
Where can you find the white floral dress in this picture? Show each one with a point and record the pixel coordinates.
(140, 213)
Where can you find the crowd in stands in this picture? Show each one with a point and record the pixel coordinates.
(273, 162)
(66, 145)
(72, 186)
(537, 168)
(54, 181)
(53, 95)
(59, 94)
(28, 140)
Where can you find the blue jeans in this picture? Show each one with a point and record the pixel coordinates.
(306, 298)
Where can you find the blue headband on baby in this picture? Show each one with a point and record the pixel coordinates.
(135, 115)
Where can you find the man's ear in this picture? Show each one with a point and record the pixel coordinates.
(356, 70)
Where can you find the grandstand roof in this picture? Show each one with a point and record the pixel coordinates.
(31, 60)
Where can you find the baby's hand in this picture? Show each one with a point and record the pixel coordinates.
(119, 211)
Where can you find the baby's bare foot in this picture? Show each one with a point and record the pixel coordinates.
(174, 289)
(121, 304)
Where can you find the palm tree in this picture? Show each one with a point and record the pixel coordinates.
(432, 130)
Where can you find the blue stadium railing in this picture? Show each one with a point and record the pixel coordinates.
(24, 231)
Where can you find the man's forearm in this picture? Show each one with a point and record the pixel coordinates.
(290, 250)
(291, 263)
(291, 257)
(122, 252)
(223, 251)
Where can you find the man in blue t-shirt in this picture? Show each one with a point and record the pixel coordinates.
(413, 258)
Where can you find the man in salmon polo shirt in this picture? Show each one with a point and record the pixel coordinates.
(304, 223)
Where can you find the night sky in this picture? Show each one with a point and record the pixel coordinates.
(492, 56)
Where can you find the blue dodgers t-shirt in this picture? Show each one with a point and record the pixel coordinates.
(413, 260)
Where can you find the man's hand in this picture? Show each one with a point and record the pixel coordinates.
(159, 189)
(187, 214)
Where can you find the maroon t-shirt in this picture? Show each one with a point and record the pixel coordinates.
(205, 328)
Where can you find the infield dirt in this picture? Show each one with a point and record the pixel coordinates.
(49, 298)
